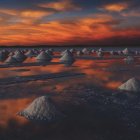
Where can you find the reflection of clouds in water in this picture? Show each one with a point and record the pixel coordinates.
(9, 108)
(24, 93)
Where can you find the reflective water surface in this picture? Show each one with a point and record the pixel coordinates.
(106, 74)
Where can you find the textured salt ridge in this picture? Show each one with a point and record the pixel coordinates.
(132, 85)
(41, 109)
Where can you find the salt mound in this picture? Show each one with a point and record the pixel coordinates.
(41, 109)
(19, 56)
(126, 51)
(49, 52)
(100, 50)
(43, 57)
(11, 60)
(79, 53)
(112, 52)
(132, 85)
(66, 51)
(67, 58)
(72, 50)
(30, 53)
(86, 51)
(100, 54)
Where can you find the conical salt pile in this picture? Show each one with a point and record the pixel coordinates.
(43, 57)
(11, 54)
(30, 53)
(72, 50)
(86, 51)
(67, 58)
(41, 109)
(100, 50)
(49, 52)
(99, 54)
(119, 52)
(11, 60)
(19, 56)
(63, 52)
(79, 53)
(93, 51)
(132, 85)
(136, 52)
(112, 52)
(126, 51)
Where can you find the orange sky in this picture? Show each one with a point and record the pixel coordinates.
(66, 22)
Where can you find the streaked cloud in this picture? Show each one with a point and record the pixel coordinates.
(62, 5)
(115, 7)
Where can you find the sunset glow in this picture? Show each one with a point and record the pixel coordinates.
(69, 23)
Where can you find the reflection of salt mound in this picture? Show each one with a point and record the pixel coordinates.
(131, 85)
(67, 58)
(43, 57)
(129, 60)
(41, 109)
(11, 60)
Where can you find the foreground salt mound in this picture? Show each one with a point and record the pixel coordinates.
(41, 109)
(132, 85)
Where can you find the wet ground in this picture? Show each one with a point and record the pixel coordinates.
(94, 108)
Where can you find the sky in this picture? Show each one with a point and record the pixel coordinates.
(69, 22)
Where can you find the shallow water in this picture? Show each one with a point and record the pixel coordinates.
(104, 74)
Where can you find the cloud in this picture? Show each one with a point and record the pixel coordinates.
(95, 29)
(9, 16)
(34, 13)
(132, 13)
(59, 22)
(115, 7)
(63, 5)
